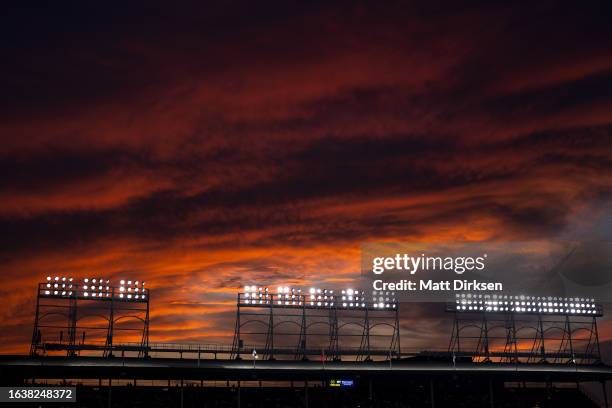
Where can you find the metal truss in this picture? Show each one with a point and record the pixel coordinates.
(525, 337)
(304, 329)
(78, 322)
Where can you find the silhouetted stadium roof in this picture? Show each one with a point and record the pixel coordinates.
(164, 368)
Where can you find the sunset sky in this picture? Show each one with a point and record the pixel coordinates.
(207, 146)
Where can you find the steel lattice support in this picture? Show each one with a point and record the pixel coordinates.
(531, 336)
(302, 326)
(75, 320)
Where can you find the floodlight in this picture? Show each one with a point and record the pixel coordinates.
(526, 304)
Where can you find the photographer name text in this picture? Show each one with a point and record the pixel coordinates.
(436, 286)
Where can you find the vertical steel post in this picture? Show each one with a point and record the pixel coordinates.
(569, 337)
(238, 343)
(147, 321)
(367, 334)
(111, 324)
(486, 336)
(72, 331)
(271, 331)
(514, 340)
(542, 346)
(35, 336)
(303, 331)
(397, 331)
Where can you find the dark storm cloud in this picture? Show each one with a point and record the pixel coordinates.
(325, 169)
(532, 104)
(43, 171)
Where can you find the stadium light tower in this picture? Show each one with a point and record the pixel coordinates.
(487, 322)
(284, 304)
(62, 296)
